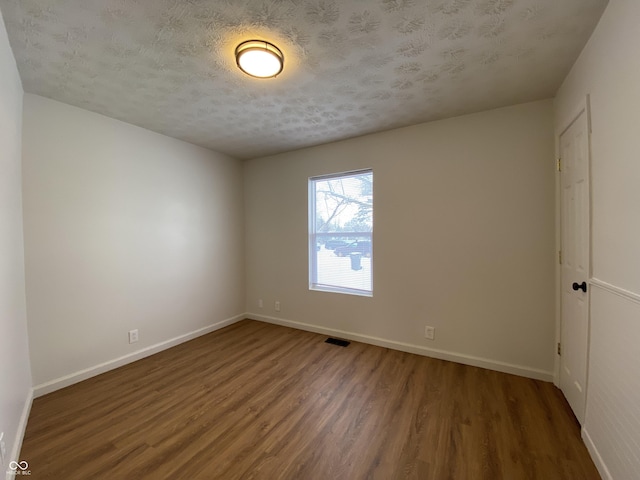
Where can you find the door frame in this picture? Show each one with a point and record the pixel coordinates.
(561, 127)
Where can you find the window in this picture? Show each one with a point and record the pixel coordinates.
(340, 233)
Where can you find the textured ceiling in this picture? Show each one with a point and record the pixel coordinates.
(351, 66)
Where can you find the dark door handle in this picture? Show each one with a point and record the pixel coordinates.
(580, 286)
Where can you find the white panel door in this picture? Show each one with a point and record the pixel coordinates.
(575, 201)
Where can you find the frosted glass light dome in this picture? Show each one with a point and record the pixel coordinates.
(259, 58)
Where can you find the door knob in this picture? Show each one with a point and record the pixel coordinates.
(580, 286)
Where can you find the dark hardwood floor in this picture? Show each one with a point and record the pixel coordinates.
(258, 401)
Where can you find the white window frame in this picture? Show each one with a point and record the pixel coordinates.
(314, 236)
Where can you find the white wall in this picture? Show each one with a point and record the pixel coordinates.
(463, 239)
(15, 374)
(124, 229)
(608, 70)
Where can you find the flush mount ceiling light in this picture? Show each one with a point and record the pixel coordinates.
(259, 58)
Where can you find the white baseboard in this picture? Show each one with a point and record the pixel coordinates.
(17, 442)
(410, 348)
(595, 455)
(81, 375)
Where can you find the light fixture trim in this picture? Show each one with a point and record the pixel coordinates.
(269, 53)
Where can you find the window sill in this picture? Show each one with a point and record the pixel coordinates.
(343, 291)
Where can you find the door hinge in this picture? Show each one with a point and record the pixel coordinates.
(559, 349)
(560, 257)
(559, 164)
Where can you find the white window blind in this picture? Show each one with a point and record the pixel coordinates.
(341, 233)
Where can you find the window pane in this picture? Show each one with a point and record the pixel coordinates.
(341, 227)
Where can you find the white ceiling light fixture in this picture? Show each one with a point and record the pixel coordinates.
(259, 59)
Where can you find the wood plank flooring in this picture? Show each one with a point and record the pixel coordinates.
(258, 401)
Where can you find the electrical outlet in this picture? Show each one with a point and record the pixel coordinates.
(277, 306)
(133, 336)
(260, 304)
(429, 333)
(3, 448)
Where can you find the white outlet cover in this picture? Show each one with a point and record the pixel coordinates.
(133, 336)
(429, 332)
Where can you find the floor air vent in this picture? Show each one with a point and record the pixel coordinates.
(336, 341)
